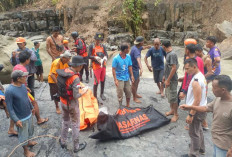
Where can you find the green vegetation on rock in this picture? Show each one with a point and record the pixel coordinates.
(6, 5)
(132, 15)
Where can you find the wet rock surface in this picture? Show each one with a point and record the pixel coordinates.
(169, 141)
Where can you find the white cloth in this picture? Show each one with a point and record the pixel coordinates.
(200, 78)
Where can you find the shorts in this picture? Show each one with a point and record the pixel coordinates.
(26, 132)
(53, 90)
(158, 75)
(136, 74)
(171, 92)
(99, 75)
(211, 77)
(39, 70)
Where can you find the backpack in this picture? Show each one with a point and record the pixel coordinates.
(64, 91)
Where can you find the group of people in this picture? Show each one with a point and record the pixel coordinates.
(66, 75)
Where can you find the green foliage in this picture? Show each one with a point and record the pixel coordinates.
(132, 15)
(157, 2)
(6, 5)
(54, 2)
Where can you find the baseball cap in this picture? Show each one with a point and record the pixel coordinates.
(138, 40)
(18, 73)
(20, 40)
(66, 54)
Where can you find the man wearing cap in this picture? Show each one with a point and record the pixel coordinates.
(137, 65)
(157, 55)
(70, 107)
(21, 110)
(54, 43)
(98, 55)
(80, 49)
(60, 63)
(21, 42)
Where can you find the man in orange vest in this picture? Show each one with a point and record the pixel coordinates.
(69, 86)
(80, 49)
(98, 55)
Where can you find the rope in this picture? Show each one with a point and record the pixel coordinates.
(51, 136)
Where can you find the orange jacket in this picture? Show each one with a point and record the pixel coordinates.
(95, 51)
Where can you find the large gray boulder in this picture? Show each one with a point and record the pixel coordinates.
(223, 30)
(117, 39)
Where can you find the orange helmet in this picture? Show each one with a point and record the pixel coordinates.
(65, 41)
(20, 40)
(190, 41)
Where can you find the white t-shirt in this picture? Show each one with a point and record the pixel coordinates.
(200, 78)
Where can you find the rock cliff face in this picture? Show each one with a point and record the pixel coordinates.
(29, 23)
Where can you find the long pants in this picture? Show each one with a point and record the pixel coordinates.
(86, 68)
(72, 114)
(123, 86)
(31, 84)
(196, 135)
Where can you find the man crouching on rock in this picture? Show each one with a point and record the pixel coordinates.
(21, 110)
(68, 89)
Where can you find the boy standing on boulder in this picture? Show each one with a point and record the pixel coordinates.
(54, 43)
(21, 110)
(122, 70)
(38, 63)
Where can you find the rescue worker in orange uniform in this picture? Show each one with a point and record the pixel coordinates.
(69, 102)
(80, 49)
(98, 55)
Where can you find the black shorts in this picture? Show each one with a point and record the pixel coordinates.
(53, 90)
(39, 69)
(158, 75)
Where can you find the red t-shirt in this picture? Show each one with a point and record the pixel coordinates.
(188, 78)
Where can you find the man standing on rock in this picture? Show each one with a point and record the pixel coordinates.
(170, 80)
(21, 110)
(21, 42)
(137, 65)
(98, 55)
(54, 43)
(157, 55)
(70, 103)
(122, 70)
(59, 63)
(215, 56)
(80, 49)
(196, 96)
(221, 107)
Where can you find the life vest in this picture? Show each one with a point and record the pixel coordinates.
(83, 51)
(65, 80)
(98, 51)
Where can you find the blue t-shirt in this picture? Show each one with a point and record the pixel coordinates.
(135, 53)
(122, 67)
(157, 57)
(18, 103)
